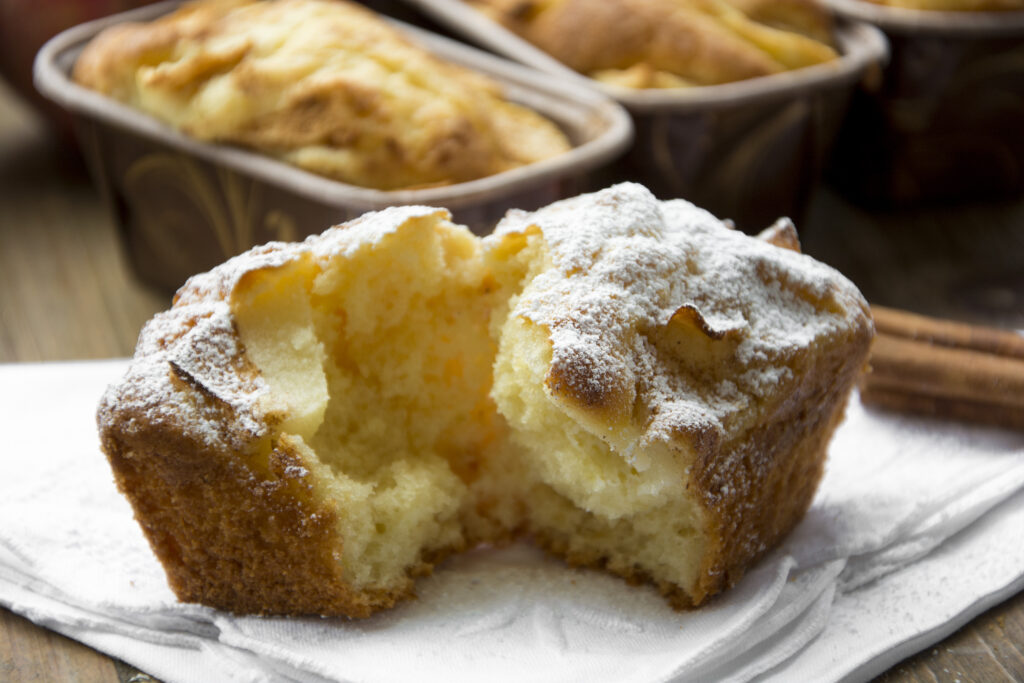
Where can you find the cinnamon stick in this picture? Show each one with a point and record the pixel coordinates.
(889, 321)
(946, 369)
(923, 368)
(953, 409)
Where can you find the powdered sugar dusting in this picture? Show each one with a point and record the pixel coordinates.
(190, 370)
(191, 345)
(625, 263)
(370, 228)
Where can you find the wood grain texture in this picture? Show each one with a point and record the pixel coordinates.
(30, 653)
(65, 293)
(66, 290)
(990, 648)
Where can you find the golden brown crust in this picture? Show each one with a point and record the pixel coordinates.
(233, 522)
(806, 17)
(697, 42)
(682, 339)
(109, 61)
(755, 504)
(680, 42)
(234, 513)
(234, 535)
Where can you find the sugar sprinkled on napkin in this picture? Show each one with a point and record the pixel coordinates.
(918, 526)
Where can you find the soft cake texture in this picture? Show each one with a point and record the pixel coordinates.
(323, 84)
(672, 43)
(628, 381)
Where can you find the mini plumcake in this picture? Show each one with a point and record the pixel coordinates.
(326, 85)
(310, 426)
(672, 43)
(627, 381)
(672, 384)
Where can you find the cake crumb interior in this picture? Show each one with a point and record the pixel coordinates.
(588, 500)
(379, 362)
(425, 405)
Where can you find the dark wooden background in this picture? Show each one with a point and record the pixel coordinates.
(65, 293)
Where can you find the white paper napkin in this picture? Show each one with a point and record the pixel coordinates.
(917, 528)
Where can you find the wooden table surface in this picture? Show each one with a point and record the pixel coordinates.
(65, 293)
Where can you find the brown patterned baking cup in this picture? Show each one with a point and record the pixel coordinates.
(945, 123)
(182, 205)
(750, 151)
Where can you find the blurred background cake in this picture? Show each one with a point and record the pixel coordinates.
(735, 104)
(671, 43)
(213, 127)
(942, 123)
(325, 85)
